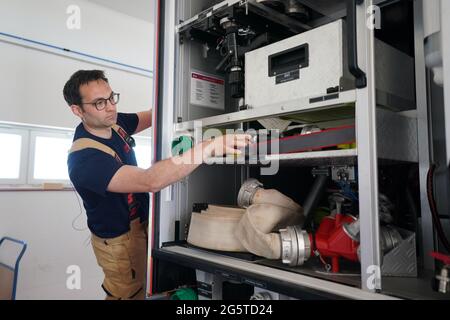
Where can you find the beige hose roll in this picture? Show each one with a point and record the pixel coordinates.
(222, 210)
(255, 230)
(214, 229)
(276, 198)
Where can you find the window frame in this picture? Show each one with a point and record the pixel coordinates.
(29, 134)
(34, 134)
(24, 150)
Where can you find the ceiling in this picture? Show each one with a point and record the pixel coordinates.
(141, 9)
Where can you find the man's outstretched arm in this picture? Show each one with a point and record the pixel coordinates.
(145, 121)
(129, 179)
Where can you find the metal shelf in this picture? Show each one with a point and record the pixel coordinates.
(269, 111)
(301, 282)
(315, 158)
(293, 284)
(331, 10)
(205, 14)
(250, 5)
(389, 124)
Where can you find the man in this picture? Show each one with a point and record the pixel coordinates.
(102, 167)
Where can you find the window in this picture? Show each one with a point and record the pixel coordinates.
(13, 154)
(143, 151)
(11, 145)
(32, 156)
(48, 159)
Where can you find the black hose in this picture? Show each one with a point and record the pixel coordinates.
(434, 210)
(314, 196)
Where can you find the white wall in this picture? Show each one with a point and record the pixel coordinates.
(44, 221)
(104, 32)
(31, 83)
(142, 9)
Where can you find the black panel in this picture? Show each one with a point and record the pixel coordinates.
(236, 291)
(172, 276)
(397, 26)
(289, 60)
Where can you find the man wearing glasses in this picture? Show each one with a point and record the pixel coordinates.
(103, 169)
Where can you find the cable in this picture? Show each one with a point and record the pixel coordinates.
(88, 239)
(316, 252)
(434, 210)
(80, 214)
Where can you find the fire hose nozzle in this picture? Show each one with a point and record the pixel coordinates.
(295, 246)
(247, 192)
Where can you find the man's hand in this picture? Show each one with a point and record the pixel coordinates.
(226, 145)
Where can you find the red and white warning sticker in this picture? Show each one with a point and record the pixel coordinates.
(207, 91)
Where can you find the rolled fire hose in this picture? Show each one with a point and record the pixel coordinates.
(214, 229)
(252, 192)
(240, 230)
(268, 211)
(255, 230)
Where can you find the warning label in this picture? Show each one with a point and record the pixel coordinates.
(207, 91)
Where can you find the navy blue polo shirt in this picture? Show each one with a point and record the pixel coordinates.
(91, 171)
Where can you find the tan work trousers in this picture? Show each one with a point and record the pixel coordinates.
(124, 261)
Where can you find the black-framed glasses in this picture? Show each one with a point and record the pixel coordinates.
(101, 103)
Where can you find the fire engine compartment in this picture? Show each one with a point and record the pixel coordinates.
(213, 41)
